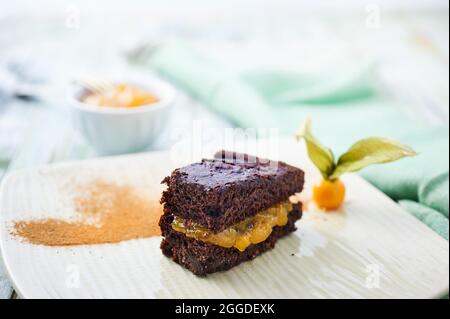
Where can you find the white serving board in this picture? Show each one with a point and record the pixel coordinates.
(371, 248)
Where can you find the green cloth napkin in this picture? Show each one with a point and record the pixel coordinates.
(432, 208)
(344, 107)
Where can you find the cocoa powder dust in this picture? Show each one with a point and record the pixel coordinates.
(106, 213)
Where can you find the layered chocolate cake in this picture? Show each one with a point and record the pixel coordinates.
(223, 211)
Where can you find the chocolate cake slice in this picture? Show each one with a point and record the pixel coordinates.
(223, 211)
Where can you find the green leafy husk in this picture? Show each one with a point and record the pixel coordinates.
(321, 156)
(368, 151)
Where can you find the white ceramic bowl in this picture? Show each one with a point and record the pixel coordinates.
(112, 130)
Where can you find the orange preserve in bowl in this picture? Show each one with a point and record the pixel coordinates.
(121, 95)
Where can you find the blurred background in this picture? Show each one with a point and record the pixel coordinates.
(402, 46)
(355, 67)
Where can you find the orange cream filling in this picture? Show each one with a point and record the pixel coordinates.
(121, 95)
(253, 230)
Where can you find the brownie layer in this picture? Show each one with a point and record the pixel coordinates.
(202, 258)
(219, 193)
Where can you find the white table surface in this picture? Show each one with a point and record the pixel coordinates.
(289, 34)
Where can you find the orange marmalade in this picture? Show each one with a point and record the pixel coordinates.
(121, 95)
(252, 230)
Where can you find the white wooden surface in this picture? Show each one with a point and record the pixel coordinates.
(420, 38)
